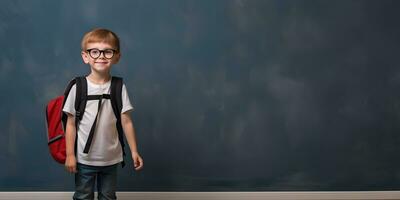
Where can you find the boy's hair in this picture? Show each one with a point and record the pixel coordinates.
(100, 35)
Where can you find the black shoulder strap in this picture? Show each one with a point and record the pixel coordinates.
(66, 93)
(80, 98)
(80, 102)
(116, 103)
(116, 95)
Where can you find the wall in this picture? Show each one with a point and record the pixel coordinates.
(229, 95)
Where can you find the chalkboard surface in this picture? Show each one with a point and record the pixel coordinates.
(235, 95)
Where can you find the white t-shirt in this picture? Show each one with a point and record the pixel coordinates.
(105, 148)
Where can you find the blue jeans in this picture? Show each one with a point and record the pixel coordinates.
(85, 180)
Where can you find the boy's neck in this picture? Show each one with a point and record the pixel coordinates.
(99, 78)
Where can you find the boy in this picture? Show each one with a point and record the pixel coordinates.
(101, 50)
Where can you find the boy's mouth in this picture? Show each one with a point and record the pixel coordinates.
(104, 62)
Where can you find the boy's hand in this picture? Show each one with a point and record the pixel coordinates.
(70, 164)
(137, 161)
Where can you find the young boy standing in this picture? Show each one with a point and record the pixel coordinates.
(101, 50)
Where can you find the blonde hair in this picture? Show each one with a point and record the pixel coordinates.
(100, 35)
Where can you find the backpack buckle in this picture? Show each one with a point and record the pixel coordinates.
(78, 114)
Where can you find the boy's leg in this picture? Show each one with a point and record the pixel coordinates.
(84, 182)
(107, 182)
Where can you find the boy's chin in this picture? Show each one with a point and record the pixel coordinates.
(102, 70)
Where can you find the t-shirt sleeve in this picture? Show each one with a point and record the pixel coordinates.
(126, 103)
(69, 106)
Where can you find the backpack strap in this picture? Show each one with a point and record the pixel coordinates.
(80, 104)
(116, 103)
(64, 116)
(81, 97)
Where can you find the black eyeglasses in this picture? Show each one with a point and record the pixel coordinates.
(95, 53)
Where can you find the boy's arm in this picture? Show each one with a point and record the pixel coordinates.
(70, 136)
(130, 136)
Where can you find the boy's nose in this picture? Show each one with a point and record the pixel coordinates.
(101, 56)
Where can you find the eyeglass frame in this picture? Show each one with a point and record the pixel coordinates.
(101, 52)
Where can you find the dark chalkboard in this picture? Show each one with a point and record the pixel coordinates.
(235, 95)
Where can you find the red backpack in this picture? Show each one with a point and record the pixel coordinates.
(56, 119)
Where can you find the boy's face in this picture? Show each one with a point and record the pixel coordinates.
(100, 56)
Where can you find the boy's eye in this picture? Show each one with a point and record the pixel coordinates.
(108, 51)
(94, 51)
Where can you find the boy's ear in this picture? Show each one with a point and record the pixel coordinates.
(85, 57)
